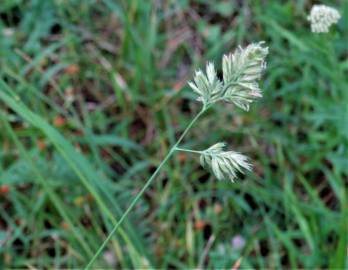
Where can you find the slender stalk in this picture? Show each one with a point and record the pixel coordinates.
(188, 150)
(141, 192)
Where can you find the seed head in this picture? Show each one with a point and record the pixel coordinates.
(224, 164)
(241, 72)
(206, 86)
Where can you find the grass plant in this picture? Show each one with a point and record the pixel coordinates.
(93, 97)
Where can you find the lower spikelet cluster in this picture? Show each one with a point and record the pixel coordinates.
(322, 17)
(224, 164)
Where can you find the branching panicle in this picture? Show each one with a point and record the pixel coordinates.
(241, 71)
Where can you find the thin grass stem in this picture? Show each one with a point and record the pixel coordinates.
(188, 150)
(145, 187)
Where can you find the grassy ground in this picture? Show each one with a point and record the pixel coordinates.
(93, 94)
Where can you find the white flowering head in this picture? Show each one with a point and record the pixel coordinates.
(241, 72)
(224, 164)
(322, 17)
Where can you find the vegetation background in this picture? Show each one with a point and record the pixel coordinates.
(94, 92)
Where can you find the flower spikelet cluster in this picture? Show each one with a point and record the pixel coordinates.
(241, 73)
(224, 164)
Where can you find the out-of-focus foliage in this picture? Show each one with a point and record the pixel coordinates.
(94, 92)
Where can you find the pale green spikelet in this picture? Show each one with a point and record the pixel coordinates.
(224, 164)
(241, 72)
(208, 86)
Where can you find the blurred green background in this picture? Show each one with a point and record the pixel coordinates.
(94, 92)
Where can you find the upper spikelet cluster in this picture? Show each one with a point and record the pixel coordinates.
(322, 17)
(208, 86)
(241, 72)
